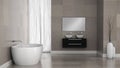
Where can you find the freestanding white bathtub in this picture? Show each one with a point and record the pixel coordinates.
(29, 54)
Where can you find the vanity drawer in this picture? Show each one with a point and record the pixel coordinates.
(74, 43)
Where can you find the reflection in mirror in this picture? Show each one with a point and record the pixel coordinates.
(73, 24)
(46, 60)
(111, 63)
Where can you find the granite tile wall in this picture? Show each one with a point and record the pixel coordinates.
(74, 8)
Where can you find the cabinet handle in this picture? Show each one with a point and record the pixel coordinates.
(74, 44)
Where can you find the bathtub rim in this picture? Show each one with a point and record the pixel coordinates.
(26, 46)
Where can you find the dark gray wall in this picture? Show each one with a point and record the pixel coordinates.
(74, 8)
(100, 17)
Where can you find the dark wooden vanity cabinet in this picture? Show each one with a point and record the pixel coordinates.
(74, 43)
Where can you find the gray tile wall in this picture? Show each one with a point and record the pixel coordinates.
(13, 25)
(108, 8)
(74, 8)
(111, 8)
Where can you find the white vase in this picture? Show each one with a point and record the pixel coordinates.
(110, 50)
(114, 52)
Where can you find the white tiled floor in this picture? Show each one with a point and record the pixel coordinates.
(73, 61)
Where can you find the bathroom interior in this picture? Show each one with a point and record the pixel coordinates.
(76, 33)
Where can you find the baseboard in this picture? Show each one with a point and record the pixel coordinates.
(100, 54)
(5, 65)
(74, 52)
(105, 55)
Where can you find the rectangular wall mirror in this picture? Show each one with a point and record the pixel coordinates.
(73, 24)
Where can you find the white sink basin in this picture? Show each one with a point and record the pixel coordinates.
(79, 36)
(68, 36)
